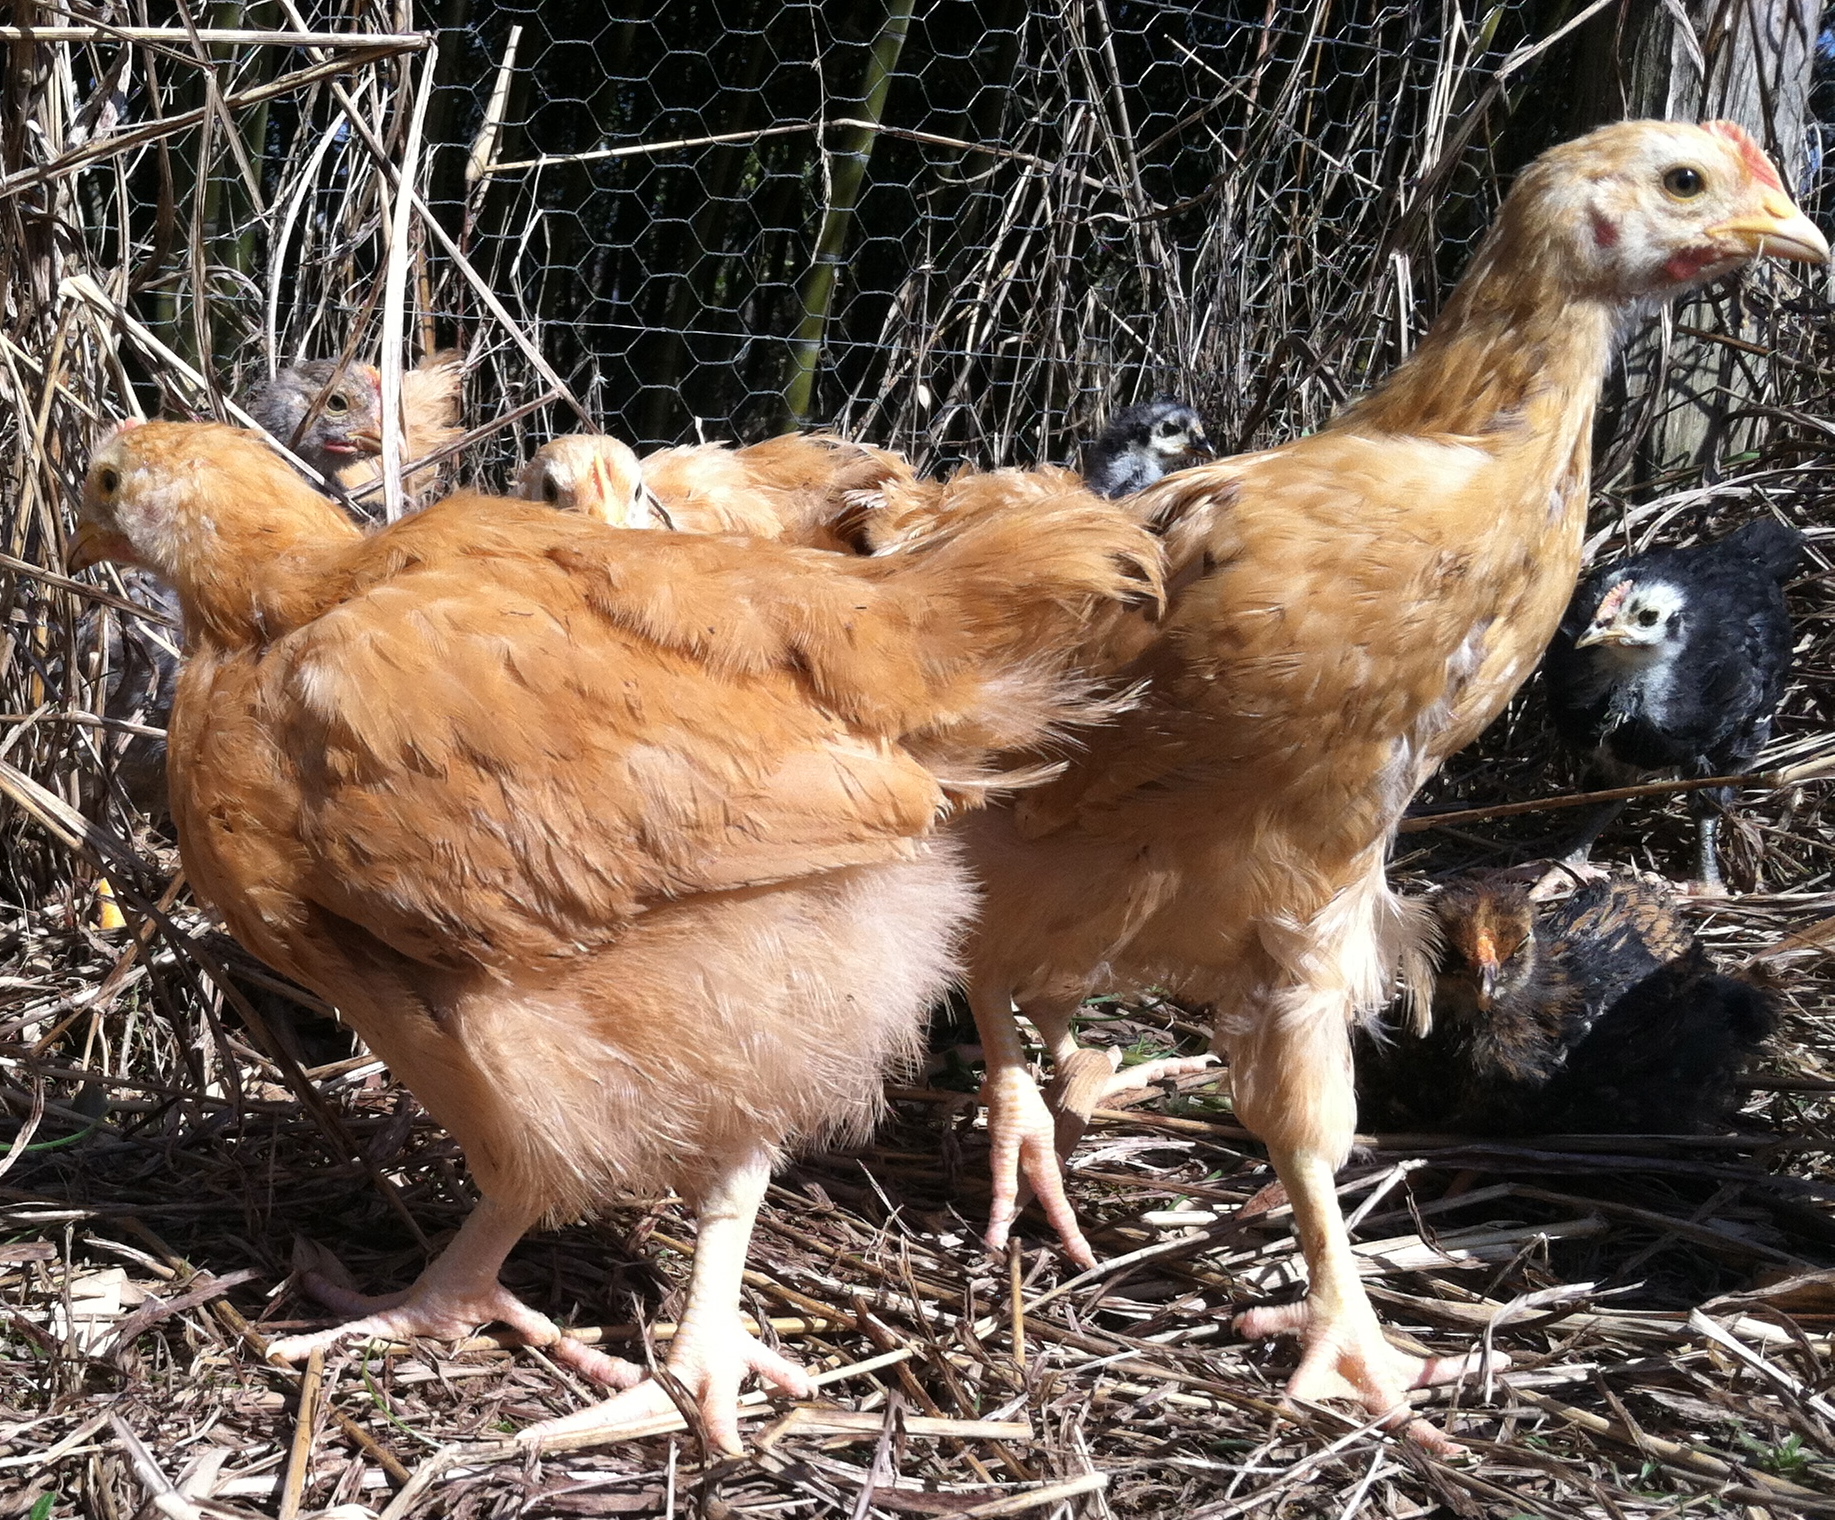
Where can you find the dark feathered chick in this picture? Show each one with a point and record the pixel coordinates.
(1675, 661)
(329, 417)
(1144, 444)
(1594, 1014)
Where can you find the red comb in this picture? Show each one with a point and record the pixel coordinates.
(1762, 168)
(1610, 603)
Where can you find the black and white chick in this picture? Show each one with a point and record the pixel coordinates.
(1594, 1014)
(1143, 444)
(1674, 662)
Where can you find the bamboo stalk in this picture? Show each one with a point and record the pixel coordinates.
(847, 175)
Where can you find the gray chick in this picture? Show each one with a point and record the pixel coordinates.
(1143, 444)
(328, 419)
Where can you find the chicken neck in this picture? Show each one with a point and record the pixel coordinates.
(1516, 344)
(256, 571)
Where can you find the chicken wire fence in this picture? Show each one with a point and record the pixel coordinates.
(968, 229)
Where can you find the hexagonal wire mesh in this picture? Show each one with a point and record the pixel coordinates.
(968, 228)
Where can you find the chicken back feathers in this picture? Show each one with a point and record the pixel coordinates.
(632, 831)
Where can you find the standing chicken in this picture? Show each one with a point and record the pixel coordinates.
(1346, 611)
(620, 848)
(797, 488)
(1676, 660)
(1143, 444)
(1594, 1014)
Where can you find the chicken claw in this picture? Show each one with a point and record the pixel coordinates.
(1023, 1139)
(457, 1293)
(1345, 1355)
(710, 1365)
(1086, 1077)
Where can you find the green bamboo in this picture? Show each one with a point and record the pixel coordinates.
(850, 165)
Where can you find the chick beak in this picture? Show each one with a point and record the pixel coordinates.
(1487, 970)
(1780, 231)
(1198, 446)
(92, 544)
(1598, 635)
(366, 442)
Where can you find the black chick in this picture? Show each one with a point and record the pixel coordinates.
(1676, 660)
(1596, 1014)
(1143, 444)
(329, 418)
(141, 680)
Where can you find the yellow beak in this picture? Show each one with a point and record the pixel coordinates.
(91, 544)
(1781, 231)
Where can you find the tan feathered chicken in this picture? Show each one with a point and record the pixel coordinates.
(1345, 612)
(621, 848)
(799, 488)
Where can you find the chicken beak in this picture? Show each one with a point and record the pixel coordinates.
(366, 442)
(1197, 446)
(1598, 635)
(1487, 970)
(91, 544)
(1780, 231)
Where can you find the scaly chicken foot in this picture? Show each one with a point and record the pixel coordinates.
(1086, 1078)
(712, 1351)
(1343, 1351)
(453, 1297)
(1023, 1143)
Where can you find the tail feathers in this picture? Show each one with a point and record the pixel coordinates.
(1777, 547)
(1010, 573)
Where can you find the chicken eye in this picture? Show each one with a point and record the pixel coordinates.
(551, 491)
(1684, 183)
(1647, 617)
(109, 481)
(337, 402)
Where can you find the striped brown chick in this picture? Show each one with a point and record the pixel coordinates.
(1594, 1014)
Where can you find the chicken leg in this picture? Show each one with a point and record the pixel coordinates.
(1022, 1134)
(1291, 1075)
(456, 1294)
(1084, 1078)
(1030, 1134)
(712, 1350)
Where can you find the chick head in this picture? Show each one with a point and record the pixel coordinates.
(1165, 429)
(1487, 934)
(327, 416)
(593, 475)
(1635, 615)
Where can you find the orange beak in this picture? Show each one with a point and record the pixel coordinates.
(1779, 231)
(91, 544)
(1487, 969)
(367, 443)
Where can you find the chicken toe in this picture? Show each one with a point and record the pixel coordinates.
(1087, 1077)
(1344, 1355)
(454, 1296)
(1023, 1153)
(709, 1364)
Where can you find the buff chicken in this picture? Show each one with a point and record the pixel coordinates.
(796, 488)
(623, 849)
(1346, 611)
(1597, 1013)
